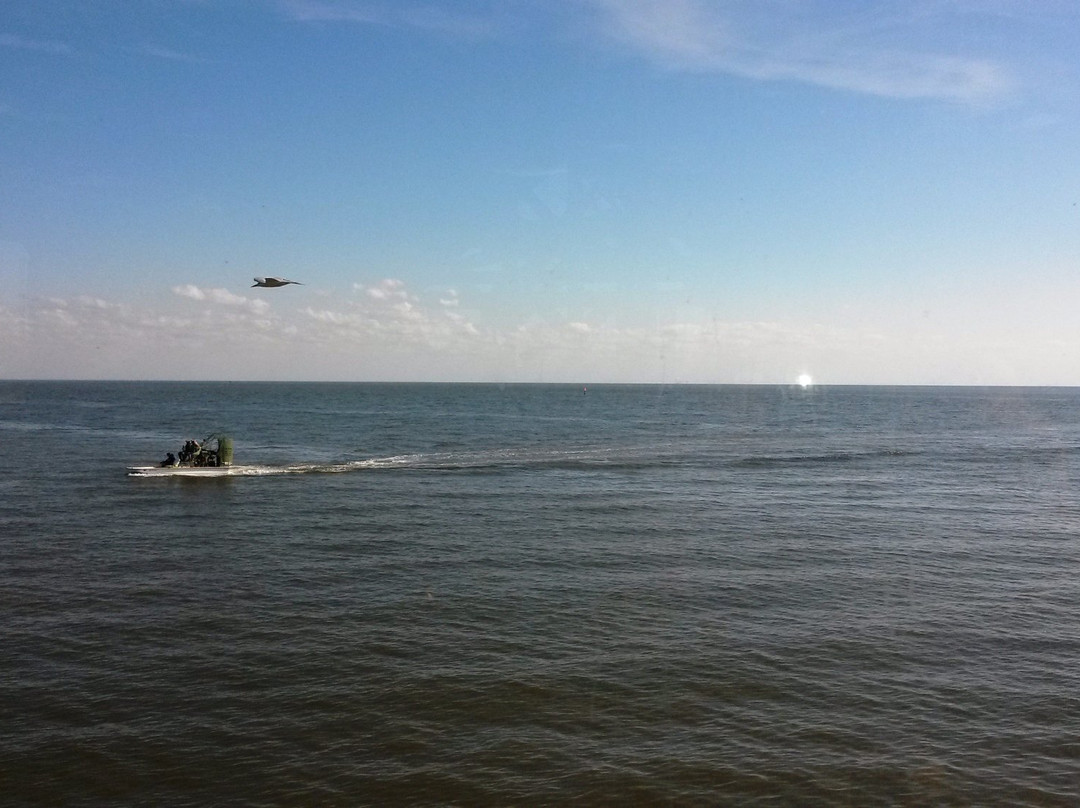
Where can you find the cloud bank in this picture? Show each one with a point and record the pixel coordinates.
(383, 331)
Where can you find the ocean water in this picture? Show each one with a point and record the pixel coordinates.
(535, 595)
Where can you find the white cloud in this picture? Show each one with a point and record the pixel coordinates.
(42, 46)
(462, 323)
(331, 11)
(422, 17)
(171, 55)
(190, 291)
(399, 336)
(386, 289)
(457, 25)
(323, 316)
(227, 298)
(868, 49)
(221, 297)
(865, 52)
(387, 312)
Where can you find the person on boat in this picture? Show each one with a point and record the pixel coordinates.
(189, 452)
(170, 460)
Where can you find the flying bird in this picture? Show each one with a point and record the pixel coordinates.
(272, 283)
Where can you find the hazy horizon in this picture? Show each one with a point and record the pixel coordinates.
(810, 387)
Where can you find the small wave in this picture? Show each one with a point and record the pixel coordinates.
(786, 460)
(771, 461)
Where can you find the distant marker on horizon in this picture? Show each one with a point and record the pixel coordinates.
(272, 283)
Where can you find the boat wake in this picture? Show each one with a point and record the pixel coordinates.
(486, 461)
(479, 462)
(626, 459)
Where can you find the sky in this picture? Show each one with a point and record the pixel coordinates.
(580, 191)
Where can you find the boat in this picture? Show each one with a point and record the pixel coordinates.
(210, 457)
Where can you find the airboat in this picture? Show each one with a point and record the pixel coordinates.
(210, 457)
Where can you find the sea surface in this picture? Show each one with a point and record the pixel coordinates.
(500, 595)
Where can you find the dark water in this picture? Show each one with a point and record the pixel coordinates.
(523, 595)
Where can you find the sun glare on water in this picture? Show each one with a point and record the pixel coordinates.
(805, 380)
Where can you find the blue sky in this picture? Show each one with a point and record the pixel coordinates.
(541, 190)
